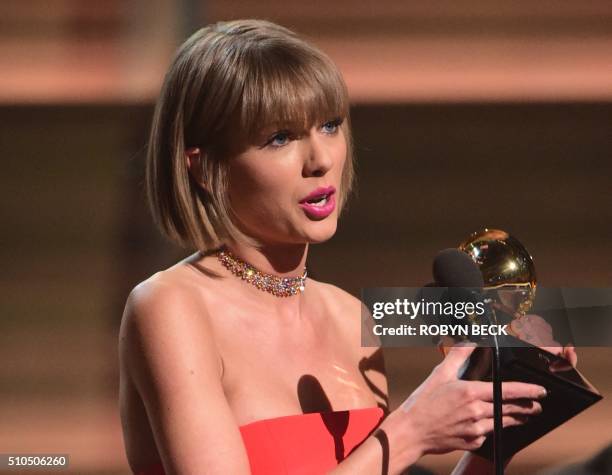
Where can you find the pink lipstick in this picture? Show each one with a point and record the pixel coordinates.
(320, 203)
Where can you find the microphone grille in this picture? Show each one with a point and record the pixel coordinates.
(454, 268)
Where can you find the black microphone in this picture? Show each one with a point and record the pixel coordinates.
(456, 271)
(454, 268)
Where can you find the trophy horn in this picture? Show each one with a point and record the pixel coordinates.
(507, 268)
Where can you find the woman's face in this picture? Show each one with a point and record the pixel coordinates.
(284, 187)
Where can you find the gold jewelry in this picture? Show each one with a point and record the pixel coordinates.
(278, 286)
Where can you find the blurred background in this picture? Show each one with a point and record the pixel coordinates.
(465, 114)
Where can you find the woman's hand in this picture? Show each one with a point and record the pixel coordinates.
(535, 330)
(446, 413)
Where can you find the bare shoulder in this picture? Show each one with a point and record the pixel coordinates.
(162, 292)
(339, 298)
(167, 308)
(156, 301)
(168, 355)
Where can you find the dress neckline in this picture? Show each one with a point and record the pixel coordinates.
(256, 434)
(313, 415)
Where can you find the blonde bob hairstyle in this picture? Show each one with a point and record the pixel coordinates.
(227, 82)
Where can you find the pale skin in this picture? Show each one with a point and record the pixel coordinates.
(202, 352)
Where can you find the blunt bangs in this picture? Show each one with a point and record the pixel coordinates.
(291, 88)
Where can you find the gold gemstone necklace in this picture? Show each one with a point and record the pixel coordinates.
(278, 286)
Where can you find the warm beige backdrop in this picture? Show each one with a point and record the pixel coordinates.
(464, 116)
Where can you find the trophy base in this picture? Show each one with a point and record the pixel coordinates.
(569, 393)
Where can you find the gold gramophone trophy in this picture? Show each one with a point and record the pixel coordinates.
(510, 286)
(507, 269)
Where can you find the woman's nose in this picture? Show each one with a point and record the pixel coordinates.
(318, 158)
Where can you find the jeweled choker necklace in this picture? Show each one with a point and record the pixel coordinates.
(278, 286)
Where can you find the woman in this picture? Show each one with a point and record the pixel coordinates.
(233, 361)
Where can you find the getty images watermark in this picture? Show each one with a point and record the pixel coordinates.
(409, 316)
(458, 310)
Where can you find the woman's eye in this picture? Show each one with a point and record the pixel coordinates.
(331, 127)
(279, 139)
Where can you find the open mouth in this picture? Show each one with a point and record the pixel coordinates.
(319, 196)
(319, 201)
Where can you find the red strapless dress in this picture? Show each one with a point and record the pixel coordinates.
(302, 444)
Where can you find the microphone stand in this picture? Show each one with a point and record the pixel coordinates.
(497, 412)
(496, 377)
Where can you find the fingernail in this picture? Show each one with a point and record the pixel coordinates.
(543, 393)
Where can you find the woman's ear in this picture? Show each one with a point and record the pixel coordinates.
(194, 159)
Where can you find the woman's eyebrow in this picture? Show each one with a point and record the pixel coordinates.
(296, 128)
(279, 127)
(273, 127)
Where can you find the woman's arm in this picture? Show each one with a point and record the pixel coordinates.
(442, 415)
(167, 349)
(393, 447)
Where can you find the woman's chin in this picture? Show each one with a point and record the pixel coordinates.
(321, 231)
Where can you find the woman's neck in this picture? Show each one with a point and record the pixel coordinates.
(282, 260)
